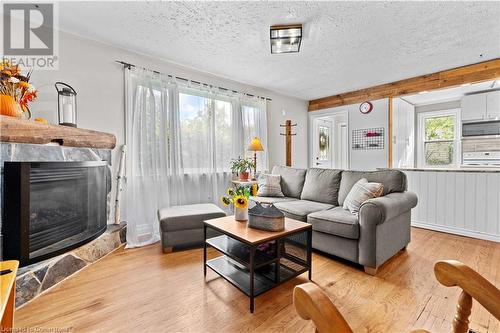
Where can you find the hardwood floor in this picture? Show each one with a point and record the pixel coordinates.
(148, 291)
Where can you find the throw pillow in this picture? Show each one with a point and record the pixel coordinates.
(269, 186)
(292, 180)
(361, 191)
(322, 185)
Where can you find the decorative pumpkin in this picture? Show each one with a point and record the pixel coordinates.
(42, 121)
(9, 107)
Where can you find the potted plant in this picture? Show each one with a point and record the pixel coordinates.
(242, 167)
(239, 198)
(15, 91)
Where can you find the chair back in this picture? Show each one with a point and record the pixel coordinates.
(452, 273)
(311, 303)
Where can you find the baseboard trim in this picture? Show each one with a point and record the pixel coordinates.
(457, 231)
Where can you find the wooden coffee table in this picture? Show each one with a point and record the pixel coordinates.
(255, 261)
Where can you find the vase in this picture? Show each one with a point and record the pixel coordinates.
(244, 176)
(241, 214)
(9, 107)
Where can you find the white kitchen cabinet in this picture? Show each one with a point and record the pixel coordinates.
(493, 105)
(474, 107)
(403, 140)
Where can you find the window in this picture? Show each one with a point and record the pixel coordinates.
(250, 123)
(223, 135)
(439, 143)
(254, 121)
(205, 133)
(194, 115)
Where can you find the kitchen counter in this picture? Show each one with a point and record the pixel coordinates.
(465, 169)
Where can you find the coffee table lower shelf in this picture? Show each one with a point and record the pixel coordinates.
(239, 276)
(256, 261)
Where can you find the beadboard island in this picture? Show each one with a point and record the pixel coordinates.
(462, 201)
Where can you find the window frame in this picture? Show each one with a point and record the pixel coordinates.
(421, 141)
(211, 115)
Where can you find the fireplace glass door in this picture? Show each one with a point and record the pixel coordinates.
(67, 205)
(60, 206)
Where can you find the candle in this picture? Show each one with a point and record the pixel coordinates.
(68, 113)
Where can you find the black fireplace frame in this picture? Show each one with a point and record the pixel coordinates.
(16, 210)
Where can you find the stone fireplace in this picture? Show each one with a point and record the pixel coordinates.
(55, 202)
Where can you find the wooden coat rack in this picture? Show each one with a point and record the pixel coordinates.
(288, 140)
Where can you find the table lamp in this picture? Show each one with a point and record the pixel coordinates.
(255, 146)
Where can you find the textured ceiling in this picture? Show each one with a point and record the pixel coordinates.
(346, 45)
(450, 94)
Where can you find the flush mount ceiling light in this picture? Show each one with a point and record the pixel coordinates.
(286, 38)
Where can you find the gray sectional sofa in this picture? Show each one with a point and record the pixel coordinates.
(316, 196)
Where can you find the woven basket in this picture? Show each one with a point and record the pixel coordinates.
(267, 218)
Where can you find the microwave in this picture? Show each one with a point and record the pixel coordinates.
(486, 128)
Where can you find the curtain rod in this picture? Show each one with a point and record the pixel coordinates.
(128, 66)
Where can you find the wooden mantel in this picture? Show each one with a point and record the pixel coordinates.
(483, 71)
(28, 131)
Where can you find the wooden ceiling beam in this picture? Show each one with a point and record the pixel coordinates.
(483, 71)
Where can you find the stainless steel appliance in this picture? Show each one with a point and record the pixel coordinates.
(481, 159)
(481, 129)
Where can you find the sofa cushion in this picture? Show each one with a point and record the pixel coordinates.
(336, 221)
(392, 180)
(269, 186)
(271, 200)
(299, 209)
(322, 185)
(292, 180)
(188, 216)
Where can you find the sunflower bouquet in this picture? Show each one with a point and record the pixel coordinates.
(239, 198)
(15, 90)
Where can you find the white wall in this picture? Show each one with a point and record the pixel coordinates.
(379, 117)
(438, 106)
(90, 67)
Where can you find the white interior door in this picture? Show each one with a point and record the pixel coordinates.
(342, 147)
(322, 144)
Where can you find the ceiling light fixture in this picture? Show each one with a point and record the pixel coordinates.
(286, 38)
(423, 92)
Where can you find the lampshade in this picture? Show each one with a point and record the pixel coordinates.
(255, 145)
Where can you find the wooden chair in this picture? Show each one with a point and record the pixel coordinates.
(8, 295)
(312, 303)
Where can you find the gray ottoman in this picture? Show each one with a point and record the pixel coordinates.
(182, 226)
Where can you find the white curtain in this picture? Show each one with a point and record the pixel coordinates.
(254, 117)
(147, 106)
(203, 144)
(180, 140)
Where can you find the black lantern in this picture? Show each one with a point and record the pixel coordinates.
(66, 97)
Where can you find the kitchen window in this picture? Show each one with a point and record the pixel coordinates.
(439, 139)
